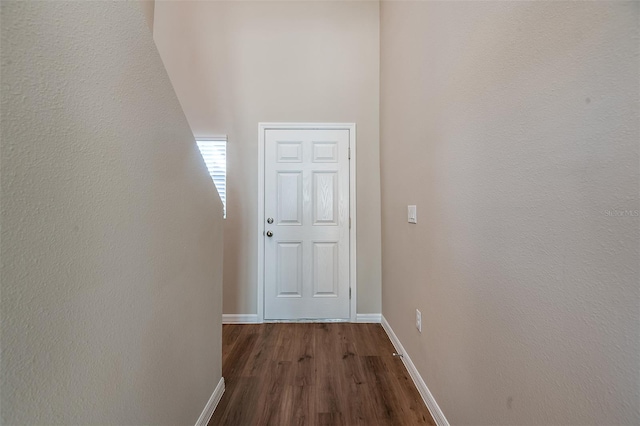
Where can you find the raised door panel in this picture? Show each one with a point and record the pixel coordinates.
(289, 269)
(289, 152)
(325, 152)
(325, 198)
(289, 198)
(325, 269)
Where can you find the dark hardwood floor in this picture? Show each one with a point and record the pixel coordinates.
(314, 374)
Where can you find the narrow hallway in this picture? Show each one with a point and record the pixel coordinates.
(315, 374)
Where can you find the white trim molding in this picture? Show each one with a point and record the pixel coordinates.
(369, 318)
(240, 319)
(253, 319)
(427, 397)
(213, 402)
(351, 127)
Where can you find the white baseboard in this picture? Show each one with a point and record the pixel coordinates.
(369, 318)
(253, 319)
(427, 397)
(216, 396)
(239, 318)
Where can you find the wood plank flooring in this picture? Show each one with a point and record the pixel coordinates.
(315, 374)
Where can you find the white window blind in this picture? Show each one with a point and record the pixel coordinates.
(214, 153)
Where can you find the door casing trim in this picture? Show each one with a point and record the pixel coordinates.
(351, 127)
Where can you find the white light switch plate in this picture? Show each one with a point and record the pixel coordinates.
(413, 215)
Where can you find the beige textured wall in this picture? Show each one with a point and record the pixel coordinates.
(111, 228)
(147, 8)
(234, 64)
(514, 128)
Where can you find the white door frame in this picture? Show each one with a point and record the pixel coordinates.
(351, 127)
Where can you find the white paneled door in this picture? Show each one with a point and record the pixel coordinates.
(306, 223)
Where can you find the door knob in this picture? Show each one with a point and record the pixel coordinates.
(270, 220)
(269, 234)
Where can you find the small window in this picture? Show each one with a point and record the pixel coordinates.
(214, 153)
